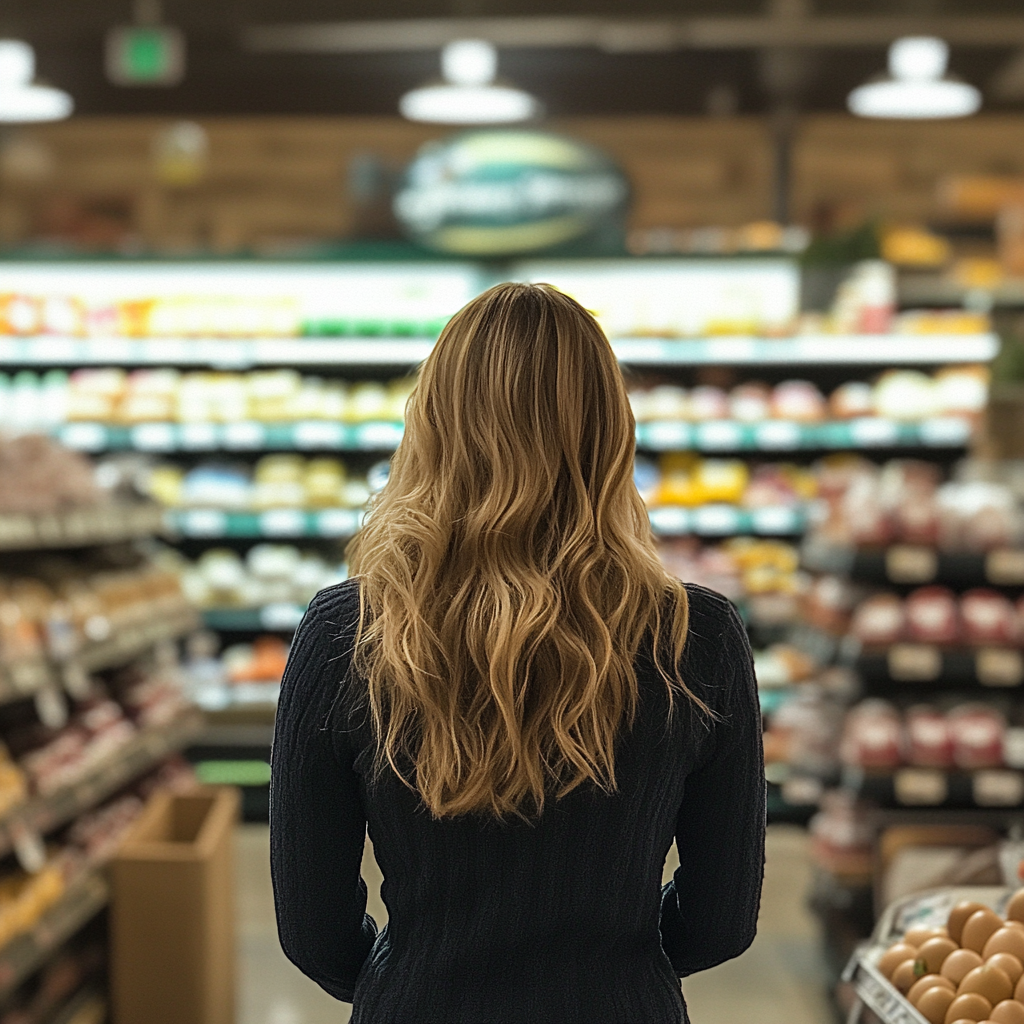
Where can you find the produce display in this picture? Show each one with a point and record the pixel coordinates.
(38, 475)
(970, 971)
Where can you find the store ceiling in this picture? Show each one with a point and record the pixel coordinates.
(227, 75)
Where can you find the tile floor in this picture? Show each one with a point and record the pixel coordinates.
(777, 981)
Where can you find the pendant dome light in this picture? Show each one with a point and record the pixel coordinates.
(20, 100)
(917, 86)
(469, 93)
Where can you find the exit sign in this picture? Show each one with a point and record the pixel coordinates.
(145, 55)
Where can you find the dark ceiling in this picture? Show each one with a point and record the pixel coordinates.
(225, 78)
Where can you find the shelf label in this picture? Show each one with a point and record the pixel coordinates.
(774, 519)
(906, 563)
(381, 434)
(318, 434)
(670, 520)
(716, 520)
(871, 432)
(198, 436)
(153, 437)
(920, 787)
(283, 522)
(778, 435)
(204, 522)
(999, 666)
(945, 432)
(719, 435)
(337, 522)
(84, 437)
(667, 435)
(281, 616)
(244, 434)
(998, 788)
(1005, 567)
(914, 663)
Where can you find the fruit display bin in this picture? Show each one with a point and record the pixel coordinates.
(876, 999)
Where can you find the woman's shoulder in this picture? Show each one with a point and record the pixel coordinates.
(715, 631)
(336, 606)
(709, 611)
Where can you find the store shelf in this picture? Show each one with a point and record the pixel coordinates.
(914, 565)
(729, 520)
(80, 527)
(995, 789)
(210, 523)
(787, 435)
(43, 814)
(925, 665)
(27, 952)
(242, 353)
(22, 679)
(919, 290)
(279, 617)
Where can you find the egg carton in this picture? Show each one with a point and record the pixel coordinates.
(928, 909)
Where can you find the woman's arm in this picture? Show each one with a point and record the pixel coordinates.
(709, 909)
(317, 823)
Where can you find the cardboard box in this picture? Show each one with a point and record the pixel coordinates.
(172, 912)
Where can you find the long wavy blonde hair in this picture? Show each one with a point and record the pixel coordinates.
(508, 570)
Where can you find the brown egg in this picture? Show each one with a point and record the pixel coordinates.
(978, 927)
(969, 1006)
(904, 977)
(934, 1004)
(1005, 940)
(920, 934)
(1018, 991)
(1015, 908)
(958, 918)
(935, 951)
(989, 981)
(957, 965)
(1007, 962)
(1009, 1011)
(922, 985)
(894, 956)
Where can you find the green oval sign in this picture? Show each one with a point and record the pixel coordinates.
(502, 192)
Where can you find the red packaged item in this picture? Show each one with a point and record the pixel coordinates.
(929, 743)
(880, 620)
(933, 616)
(988, 617)
(977, 733)
(873, 737)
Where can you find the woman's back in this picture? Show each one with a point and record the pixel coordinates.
(561, 919)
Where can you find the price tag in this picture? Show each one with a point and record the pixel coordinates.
(775, 519)
(670, 520)
(154, 437)
(716, 520)
(84, 437)
(198, 437)
(778, 435)
(719, 435)
(1005, 567)
(204, 522)
(905, 563)
(945, 432)
(383, 435)
(244, 434)
(999, 666)
(998, 788)
(283, 522)
(280, 616)
(667, 435)
(337, 522)
(51, 707)
(914, 663)
(870, 432)
(318, 434)
(28, 846)
(920, 787)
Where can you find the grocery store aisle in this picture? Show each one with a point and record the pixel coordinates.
(777, 981)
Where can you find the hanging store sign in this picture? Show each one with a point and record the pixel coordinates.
(502, 192)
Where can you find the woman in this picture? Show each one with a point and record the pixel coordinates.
(524, 707)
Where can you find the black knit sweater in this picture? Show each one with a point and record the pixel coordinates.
(563, 921)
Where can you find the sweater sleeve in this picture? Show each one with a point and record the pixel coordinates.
(317, 822)
(709, 909)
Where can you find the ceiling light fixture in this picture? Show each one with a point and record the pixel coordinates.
(469, 93)
(20, 100)
(917, 85)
